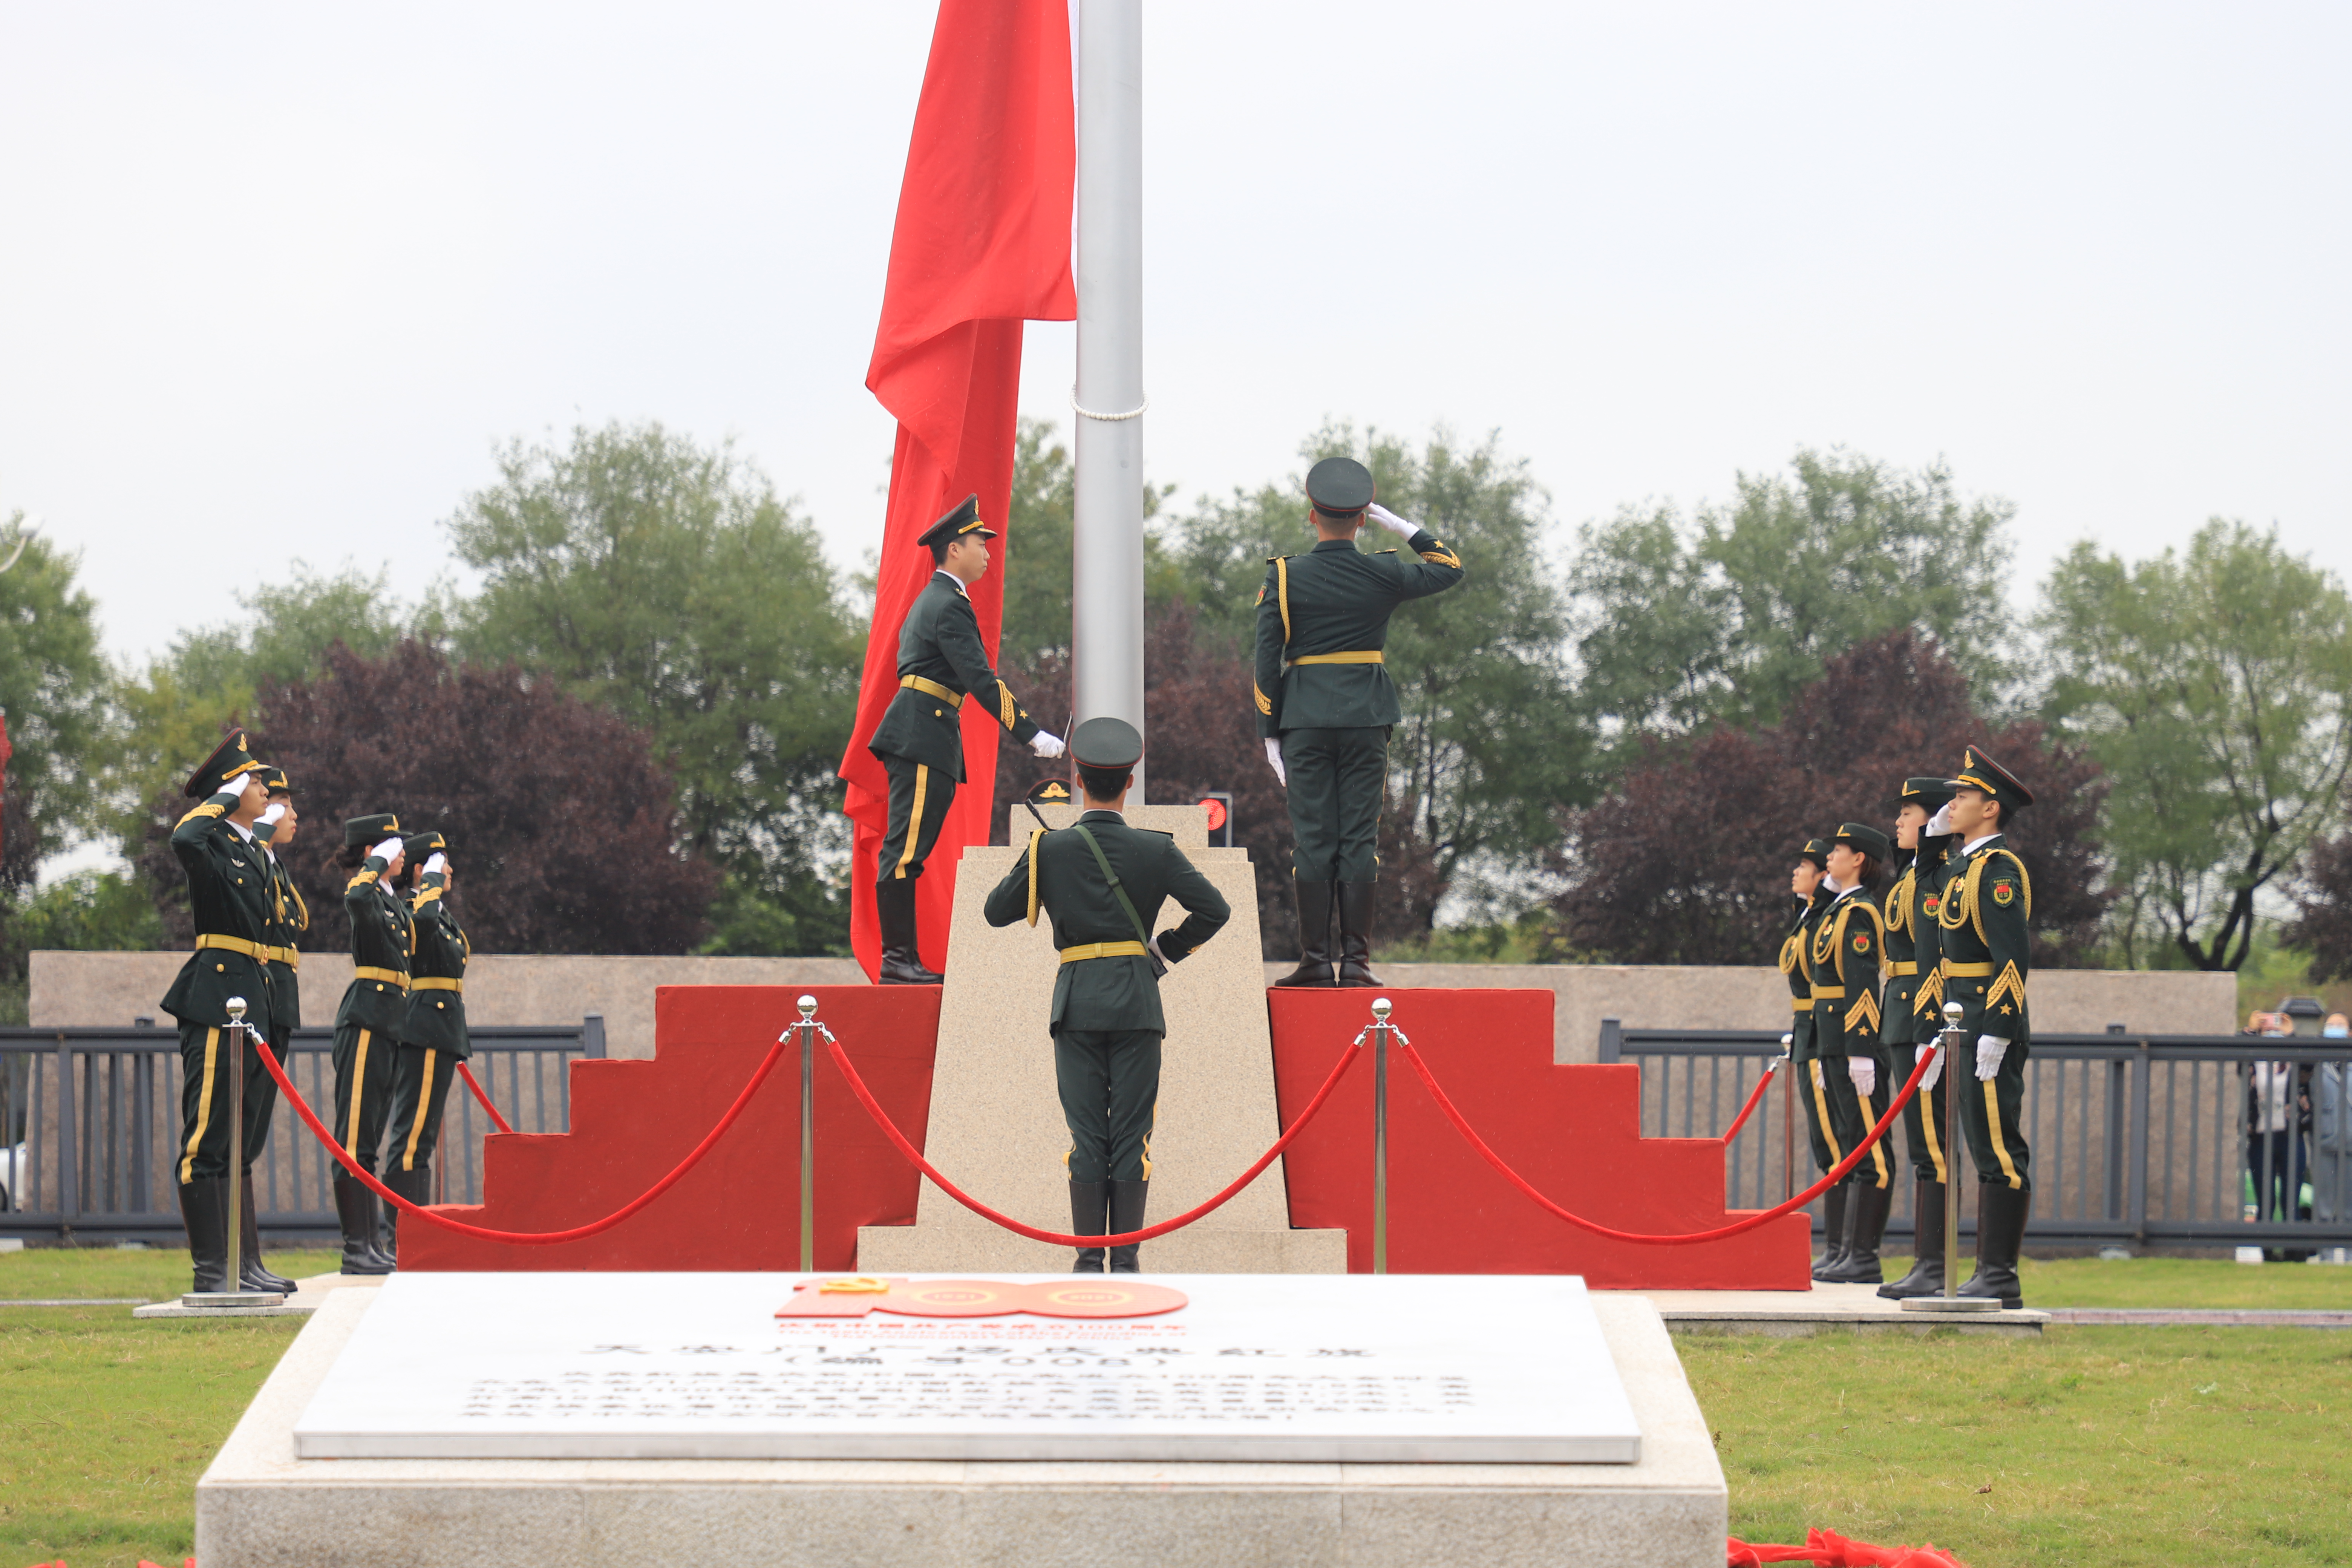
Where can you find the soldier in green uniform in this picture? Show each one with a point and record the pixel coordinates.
(367, 1025)
(228, 895)
(1981, 928)
(1914, 994)
(1326, 704)
(1102, 883)
(1850, 1071)
(432, 1040)
(288, 918)
(1805, 886)
(941, 661)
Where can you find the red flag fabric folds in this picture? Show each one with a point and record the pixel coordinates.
(983, 243)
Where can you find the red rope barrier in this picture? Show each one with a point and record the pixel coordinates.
(1827, 1549)
(1837, 1172)
(1055, 1237)
(468, 1074)
(1738, 1122)
(520, 1238)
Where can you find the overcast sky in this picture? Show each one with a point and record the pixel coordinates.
(274, 279)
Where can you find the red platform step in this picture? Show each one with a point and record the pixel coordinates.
(1572, 1132)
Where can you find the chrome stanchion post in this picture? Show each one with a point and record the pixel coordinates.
(1787, 1123)
(806, 1028)
(1381, 1008)
(234, 1293)
(1947, 1052)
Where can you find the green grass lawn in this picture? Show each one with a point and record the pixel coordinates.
(2104, 1447)
(87, 1273)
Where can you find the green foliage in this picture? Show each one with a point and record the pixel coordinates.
(101, 911)
(1731, 616)
(1489, 743)
(53, 688)
(2215, 687)
(669, 584)
(1036, 551)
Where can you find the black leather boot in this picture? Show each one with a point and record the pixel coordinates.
(1089, 1207)
(1869, 1209)
(355, 1212)
(902, 960)
(204, 1209)
(1126, 1215)
(1833, 1207)
(1314, 935)
(2000, 1232)
(1927, 1276)
(256, 1276)
(416, 1187)
(1356, 934)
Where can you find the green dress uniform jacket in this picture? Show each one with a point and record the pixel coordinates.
(1847, 937)
(941, 661)
(1915, 1000)
(1900, 954)
(1056, 872)
(1981, 928)
(436, 997)
(1797, 964)
(228, 895)
(1323, 625)
(383, 938)
(290, 921)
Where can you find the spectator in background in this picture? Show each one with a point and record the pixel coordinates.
(2331, 1128)
(2273, 1137)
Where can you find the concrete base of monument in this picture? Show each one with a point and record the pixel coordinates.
(309, 1294)
(1823, 1310)
(261, 1506)
(1196, 1249)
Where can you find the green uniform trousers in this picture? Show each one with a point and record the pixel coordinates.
(421, 1076)
(1335, 781)
(364, 1066)
(1837, 1118)
(205, 1085)
(1110, 1083)
(1992, 1118)
(919, 798)
(1923, 1122)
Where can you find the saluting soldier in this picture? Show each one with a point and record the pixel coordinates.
(1915, 994)
(1849, 1067)
(941, 661)
(290, 917)
(1981, 931)
(1102, 883)
(228, 895)
(1326, 704)
(367, 1025)
(433, 1038)
(1806, 886)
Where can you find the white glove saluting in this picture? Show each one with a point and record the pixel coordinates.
(389, 850)
(1391, 520)
(1940, 824)
(1934, 1068)
(1988, 1054)
(269, 819)
(1274, 760)
(1864, 1073)
(438, 862)
(1045, 743)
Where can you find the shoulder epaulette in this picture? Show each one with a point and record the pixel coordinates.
(207, 809)
(1389, 551)
(363, 878)
(1272, 559)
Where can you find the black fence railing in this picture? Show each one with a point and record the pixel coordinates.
(88, 1119)
(2154, 1140)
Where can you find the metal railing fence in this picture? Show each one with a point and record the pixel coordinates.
(90, 1120)
(2138, 1140)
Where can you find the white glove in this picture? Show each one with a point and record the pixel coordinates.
(1988, 1054)
(1045, 743)
(1934, 1068)
(1940, 824)
(1154, 945)
(1274, 760)
(388, 850)
(1864, 1073)
(242, 783)
(276, 810)
(439, 862)
(1391, 520)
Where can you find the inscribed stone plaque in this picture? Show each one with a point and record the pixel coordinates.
(1472, 1369)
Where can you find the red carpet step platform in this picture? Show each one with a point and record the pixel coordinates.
(1571, 1131)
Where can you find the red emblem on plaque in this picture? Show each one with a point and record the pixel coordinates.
(856, 1295)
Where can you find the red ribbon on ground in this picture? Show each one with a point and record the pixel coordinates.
(1738, 1122)
(521, 1238)
(1827, 1549)
(1055, 1237)
(468, 1074)
(1836, 1174)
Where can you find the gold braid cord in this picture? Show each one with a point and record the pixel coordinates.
(1035, 834)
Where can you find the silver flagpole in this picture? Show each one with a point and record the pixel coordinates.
(1107, 629)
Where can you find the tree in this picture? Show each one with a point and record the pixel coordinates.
(1730, 617)
(53, 682)
(1686, 860)
(1489, 745)
(669, 584)
(2216, 689)
(560, 821)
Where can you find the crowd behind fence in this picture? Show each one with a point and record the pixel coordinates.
(2139, 1140)
(89, 1119)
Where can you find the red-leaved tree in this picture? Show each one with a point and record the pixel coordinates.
(2323, 896)
(1686, 860)
(561, 824)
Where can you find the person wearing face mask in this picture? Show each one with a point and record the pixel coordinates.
(2331, 1130)
(367, 1027)
(1849, 1062)
(1913, 1017)
(1806, 880)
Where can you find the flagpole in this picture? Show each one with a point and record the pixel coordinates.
(1106, 606)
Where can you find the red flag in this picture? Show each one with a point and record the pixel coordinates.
(983, 243)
